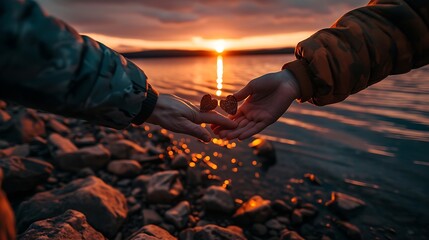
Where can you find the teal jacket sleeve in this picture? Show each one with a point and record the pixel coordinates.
(47, 65)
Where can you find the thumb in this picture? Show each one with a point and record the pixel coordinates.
(243, 93)
(197, 131)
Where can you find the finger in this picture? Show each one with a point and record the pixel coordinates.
(196, 131)
(252, 131)
(222, 132)
(235, 133)
(216, 118)
(243, 93)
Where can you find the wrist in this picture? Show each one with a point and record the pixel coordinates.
(292, 84)
(148, 106)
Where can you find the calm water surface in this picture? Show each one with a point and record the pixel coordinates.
(374, 145)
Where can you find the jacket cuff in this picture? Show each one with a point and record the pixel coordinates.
(302, 73)
(147, 107)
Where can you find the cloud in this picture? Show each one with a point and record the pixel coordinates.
(156, 20)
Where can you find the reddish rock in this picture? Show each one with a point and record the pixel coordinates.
(351, 231)
(60, 145)
(124, 168)
(24, 174)
(210, 232)
(290, 235)
(151, 232)
(345, 205)
(22, 127)
(7, 219)
(164, 187)
(218, 199)
(104, 206)
(125, 149)
(94, 157)
(70, 225)
(255, 210)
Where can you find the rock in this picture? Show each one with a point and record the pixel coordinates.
(296, 217)
(255, 210)
(151, 217)
(259, 229)
(24, 174)
(7, 219)
(85, 172)
(70, 225)
(210, 232)
(274, 224)
(3, 104)
(151, 232)
(124, 168)
(22, 127)
(290, 235)
(164, 187)
(60, 145)
(283, 220)
(125, 149)
(4, 116)
(265, 149)
(179, 214)
(17, 150)
(307, 213)
(218, 199)
(351, 231)
(180, 161)
(104, 206)
(281, 206)
(313, 179)
(152, 149)
(58, 127)
(345, 205)
(94, 157)
(85, 141)
(142, 181)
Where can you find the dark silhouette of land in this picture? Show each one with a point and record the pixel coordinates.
(196, 53)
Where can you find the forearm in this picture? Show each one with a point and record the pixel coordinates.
(361, 48)
(46, 65)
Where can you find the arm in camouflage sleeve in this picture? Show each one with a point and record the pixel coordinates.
(47, 65)
(363, 47)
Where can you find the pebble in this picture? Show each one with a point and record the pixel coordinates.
(124, 168)
(179, 214)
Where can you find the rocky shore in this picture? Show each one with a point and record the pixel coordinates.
(66, 179)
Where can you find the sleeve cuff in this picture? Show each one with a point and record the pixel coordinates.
(302, 73)
(147, 107)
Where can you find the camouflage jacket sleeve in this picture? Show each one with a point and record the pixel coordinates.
(363, 47)
(45, 64)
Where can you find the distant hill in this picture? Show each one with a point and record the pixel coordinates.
(195, 53)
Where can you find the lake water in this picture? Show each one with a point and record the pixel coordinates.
(374, 145)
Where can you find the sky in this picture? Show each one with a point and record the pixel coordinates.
(132, 25)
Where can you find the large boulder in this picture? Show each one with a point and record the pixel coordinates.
(94, 157)
(104, 206)
(24, 174)
(70, 225)
(22, 127)
(179, 215)
(151, 232)
(164, 187)
(255, 210)
(218, 199)
(210, 232)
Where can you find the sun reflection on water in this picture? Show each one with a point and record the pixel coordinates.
(219, 75)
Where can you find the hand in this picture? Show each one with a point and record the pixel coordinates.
(180, 116)
(269, 96)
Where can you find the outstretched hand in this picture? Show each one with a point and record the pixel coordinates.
(268, 97)
(180, 116)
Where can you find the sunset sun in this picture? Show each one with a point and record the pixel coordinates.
(219, 45)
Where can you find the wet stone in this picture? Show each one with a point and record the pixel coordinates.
(164, 187)
(345, 205)
(290, 235)
(69, 225)
(179, 214)
(94, 157)
(104, 206)
(210, 232)
(255, 210)
(24, 174)
(218, 199)
(124, 168)
(351, 231)
(151, 232)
